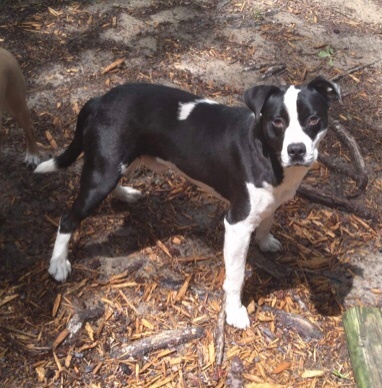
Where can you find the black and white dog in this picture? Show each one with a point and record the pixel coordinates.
(253, 157)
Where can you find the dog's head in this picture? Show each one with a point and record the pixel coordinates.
(293, 119)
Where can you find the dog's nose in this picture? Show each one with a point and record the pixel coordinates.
(296, 151)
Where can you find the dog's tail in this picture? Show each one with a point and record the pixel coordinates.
(70, 155)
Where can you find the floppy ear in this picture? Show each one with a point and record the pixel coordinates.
(329, 90)
(256, 97)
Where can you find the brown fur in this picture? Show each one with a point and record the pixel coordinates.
(13, 101)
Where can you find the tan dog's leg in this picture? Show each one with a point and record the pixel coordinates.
(13, 100)
(23, 119)
(17, 108)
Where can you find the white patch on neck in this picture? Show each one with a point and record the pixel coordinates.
(186, 108)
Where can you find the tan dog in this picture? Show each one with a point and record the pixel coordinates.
(12, 100)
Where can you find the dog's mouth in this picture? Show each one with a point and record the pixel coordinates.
(294, 163)
(298, 163)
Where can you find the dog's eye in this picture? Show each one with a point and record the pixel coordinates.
(278, 123)
(313, 121)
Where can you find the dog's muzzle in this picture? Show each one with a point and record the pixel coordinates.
(297, 155)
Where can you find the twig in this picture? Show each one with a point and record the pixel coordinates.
(219, 334)
(262, 65)
(354, 69)
(355, 154)
(159, 341)
(274, 70)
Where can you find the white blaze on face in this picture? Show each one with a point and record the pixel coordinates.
(294, 133)
(186, 108)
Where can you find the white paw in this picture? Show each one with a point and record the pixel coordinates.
(127, 194)
(60, 268)
(269, 244)
(31, 160)
(237, 317)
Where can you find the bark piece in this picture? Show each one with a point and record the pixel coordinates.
(159, 341)
(304, 328)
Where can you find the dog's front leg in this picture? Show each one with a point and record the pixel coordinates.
(266, 241)
(236, 243)
(60, 266)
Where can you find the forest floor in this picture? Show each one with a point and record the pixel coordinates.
(144, 270)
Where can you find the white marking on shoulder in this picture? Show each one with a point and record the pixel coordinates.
(44, 167)
(186, 108)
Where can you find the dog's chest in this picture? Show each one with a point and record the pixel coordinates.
(292, 179)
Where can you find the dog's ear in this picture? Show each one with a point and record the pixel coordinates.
(256, 97)
(329, 90)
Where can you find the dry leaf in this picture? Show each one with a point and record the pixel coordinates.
(312, 373)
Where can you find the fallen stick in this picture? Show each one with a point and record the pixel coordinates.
(162, 340)
(355, 154)
(354, 69)
(219, 334)
(304, 328)
(333, 201)
(357, 172)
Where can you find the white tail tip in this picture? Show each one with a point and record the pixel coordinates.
(44, 167)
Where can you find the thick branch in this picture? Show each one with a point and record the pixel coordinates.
(336, 202)
(355, 153)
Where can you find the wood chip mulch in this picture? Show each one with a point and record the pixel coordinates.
(142, 307)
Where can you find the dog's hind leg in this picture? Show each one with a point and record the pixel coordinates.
(25, 122)
(16, 105)
(95, 185)
(126, 193)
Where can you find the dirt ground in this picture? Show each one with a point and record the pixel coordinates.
(142, 270)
